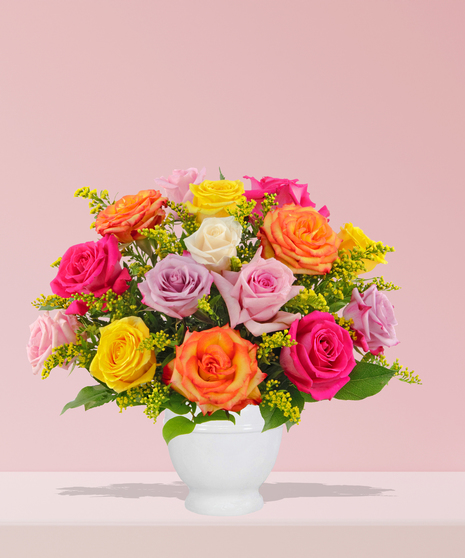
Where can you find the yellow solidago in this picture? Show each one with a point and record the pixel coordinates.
(307, 301)
(275, 341)
(97, 202)
(152, 394)
(353, 237)
(280, 399)
(156, 342)
(163, 241)
(346, 324)
(404, 374)
(242, 209)
(188, 221)
(204, 306)
(51, 302)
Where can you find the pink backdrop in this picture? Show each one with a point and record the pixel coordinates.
(364, 100)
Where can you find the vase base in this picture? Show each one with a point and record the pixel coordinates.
(224, 503)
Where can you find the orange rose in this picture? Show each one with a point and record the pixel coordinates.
(125, 216)
(217, 369)
(300, 238)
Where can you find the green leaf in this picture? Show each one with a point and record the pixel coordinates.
(366, 379)
(336, 306)
(297, 398)
(180, 333)
(90, 397)
(176, 427)
(217, 415)
(289, 425)
(177, 403)
(308, 398)
(273, 417)
(168, 359)
(221, 174)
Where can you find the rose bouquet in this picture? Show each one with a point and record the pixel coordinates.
(211, 298)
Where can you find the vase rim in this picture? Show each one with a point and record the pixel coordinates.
(250, 420)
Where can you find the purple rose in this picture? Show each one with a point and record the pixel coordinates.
(287, 191)
(323, 358)
(255, 294)
(374, 320)
(177, 184)
(91, 267)
(175, 285)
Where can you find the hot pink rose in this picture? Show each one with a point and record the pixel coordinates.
(175, 285)
(91, 267)
(374, 320)
(255, 294)
(177, 184)
(48, 332)
(288, 191)
(323, 358)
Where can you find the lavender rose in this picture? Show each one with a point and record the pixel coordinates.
(175, 285)
(48, 332)
(256, 293)
(374, 320)
(323, 358)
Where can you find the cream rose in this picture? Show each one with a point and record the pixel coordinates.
(214, 243)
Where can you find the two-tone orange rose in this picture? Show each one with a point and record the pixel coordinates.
(123, 218)
(301, 238)
(217, 369)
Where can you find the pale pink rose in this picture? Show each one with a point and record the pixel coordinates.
(255, 294)
(48, 332)
(177, 184)
(374, 320)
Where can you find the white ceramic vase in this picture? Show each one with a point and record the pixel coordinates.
(224, 464)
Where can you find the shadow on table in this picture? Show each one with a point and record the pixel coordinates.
(270, 491)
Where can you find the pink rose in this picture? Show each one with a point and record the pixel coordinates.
(255, 294)
(323, 358)
(48, 332)
(177, 184)
(374, 320)
(91, 267)
(288, 191)
(175, 285)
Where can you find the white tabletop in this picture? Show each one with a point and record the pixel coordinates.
(291, 499)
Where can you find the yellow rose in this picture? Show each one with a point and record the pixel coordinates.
(353, 236)
(212, 197)
(118, 363)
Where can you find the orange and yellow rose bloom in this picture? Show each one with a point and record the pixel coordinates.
(217, 369)
(123, 218)
(212, 197)
(354, 237)
(118, 363)
(301, 238)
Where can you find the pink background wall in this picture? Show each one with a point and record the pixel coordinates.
(364, 100)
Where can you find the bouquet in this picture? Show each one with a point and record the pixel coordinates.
(208, 298)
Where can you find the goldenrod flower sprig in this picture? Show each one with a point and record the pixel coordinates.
(403, 374)
(336, 286)
(269, 343)
(187, 220)
(97, 202)
(277, 403)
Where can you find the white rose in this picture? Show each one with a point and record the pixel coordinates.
(214, 243)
